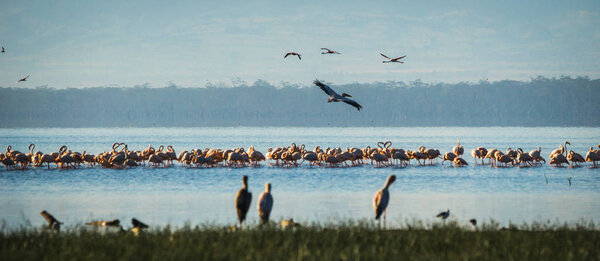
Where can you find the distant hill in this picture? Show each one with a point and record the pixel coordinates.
(540, 102)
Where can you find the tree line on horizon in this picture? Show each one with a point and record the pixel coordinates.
(541, 101)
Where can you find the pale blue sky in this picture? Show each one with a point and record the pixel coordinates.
(101, 43)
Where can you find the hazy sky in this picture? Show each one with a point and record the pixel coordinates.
(125, 43)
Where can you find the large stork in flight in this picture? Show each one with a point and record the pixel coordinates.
(334, 97)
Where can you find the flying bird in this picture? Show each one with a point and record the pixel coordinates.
(292, 53)
(334, 97)
(392, 60)
(444, 214)
(23, 79)
(328, 51)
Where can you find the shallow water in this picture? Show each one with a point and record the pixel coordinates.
(177, 195)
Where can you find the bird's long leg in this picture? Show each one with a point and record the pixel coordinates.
(384, 219)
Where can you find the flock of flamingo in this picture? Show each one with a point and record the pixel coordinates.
(120, 157)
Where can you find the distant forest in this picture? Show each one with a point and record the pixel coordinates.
(541, 101)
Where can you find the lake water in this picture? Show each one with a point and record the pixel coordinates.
(178, 195)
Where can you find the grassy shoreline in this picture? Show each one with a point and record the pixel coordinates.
(352, 241)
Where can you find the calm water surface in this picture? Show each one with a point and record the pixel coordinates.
(178, 195)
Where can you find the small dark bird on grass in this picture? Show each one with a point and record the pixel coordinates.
(473, 222)
(53, 223)
(138, 224)
(444, 215)
(293, 53)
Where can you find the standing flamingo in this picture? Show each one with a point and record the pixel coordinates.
(382, 198)
(458, 149)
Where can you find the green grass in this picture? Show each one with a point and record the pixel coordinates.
(350, 241)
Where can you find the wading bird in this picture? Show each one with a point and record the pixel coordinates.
(293, 53)
(458, 149)
(23, 79)
(328, 51)
(243, 200)
(334, 97)
(265, 204)
(382, 198)
(392, 60)
(53, 223)
(3, 49)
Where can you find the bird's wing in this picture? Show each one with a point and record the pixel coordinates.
(385, 56)
(299, 56)
(325, 88)
(398, 58)
(286, 55)
(325, 49)
(380, 202)
(376, 199)
(441, 214)
(352, 102)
